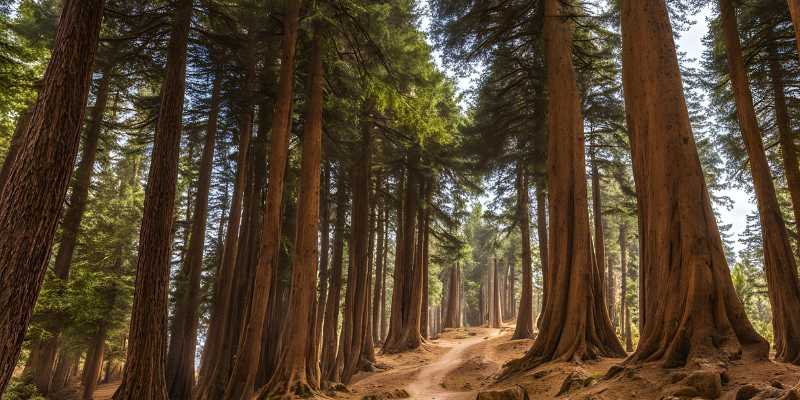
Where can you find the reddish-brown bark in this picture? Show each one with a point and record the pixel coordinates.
(28, 214)
(689, 308)
(779, 262)
(541, 233)
(94, 362)
(16, 144)
(575, 322)
(183, 343)
(297, 373)
(404, 330)
(377, 309)
(453, 315)
(144, 376)
(495, 308)
(357, 291)
(524, 328)
(329, 330)
(248, 354)
(624, 316)
(325, 236)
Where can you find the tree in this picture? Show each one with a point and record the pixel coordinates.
(144, 375)
(29, 216)
(682, 256)
(242, 377)
(297, 371)
(575, 323)
(524, 328)
(779, 261)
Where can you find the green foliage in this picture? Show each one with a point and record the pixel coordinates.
(20, 389)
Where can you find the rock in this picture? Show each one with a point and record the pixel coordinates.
(515, 393)
(574, 381)
(394, 394)
(677, 376)
(791, 394)
(747, 392)
(708, 384)
(777, 384)
(680, 391)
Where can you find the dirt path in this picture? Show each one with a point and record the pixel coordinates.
(428, 383)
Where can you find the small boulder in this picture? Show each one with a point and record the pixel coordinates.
(394, 394)
(574, 381)
(707, 383)
(747, 392)
(515, 393)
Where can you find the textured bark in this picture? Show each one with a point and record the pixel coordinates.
(144, 376)
(404, 333)
(377, 308)
(425, 248)
(524, 328)
(575, 322)
(296, 372)
(779, 262)
(385, 258)
(453, 315)
(599, 234)
(94, 363)
(495, 310)
(782, 119)
(28, 214)
(183, 343)
(624, 316)
(357, 293)
(242, 380)
(541, 233)
(325, 235)
(689, 308)
(329, 329)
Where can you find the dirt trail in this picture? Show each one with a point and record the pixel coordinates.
(428, 383)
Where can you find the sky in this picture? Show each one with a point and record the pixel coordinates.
(690, 42)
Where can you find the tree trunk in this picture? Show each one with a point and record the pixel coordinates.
(357, 290)
(144, 376)
(16, 144)
(524, 328)
(28, 214)
(377, 308)
(183, 344)
(624, 316)
(452, 319)
(425, 226)
(496, 311)
(788, 148)
(325, 233)
(541, 233)
(296, 373)
(242, 380)
(385, 258)
(329, 334)
(779, 262)
(599, 237)
(687, 297)
(404, 332)
(575, 323)
(94, 362)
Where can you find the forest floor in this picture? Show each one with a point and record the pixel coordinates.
(462, 363)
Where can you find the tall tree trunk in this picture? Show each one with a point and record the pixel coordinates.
(788, 148)
(385, 257)
(524, 328)
(687, 297)
(779, 262)
(144, 376)
(28, 214)
(183, 344)
(357, 290)
(242, 380)
(496, 312)
(624, 316)
(453, 315)
(575, 323)
(325, 233)
(404, 331)
(377, 308)
(541, 233)
(297, 374)
(331, 324)
(599, 237)
(425, 240)
(94, 362)
(16, 143)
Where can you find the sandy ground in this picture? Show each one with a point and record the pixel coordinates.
(463, 362)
